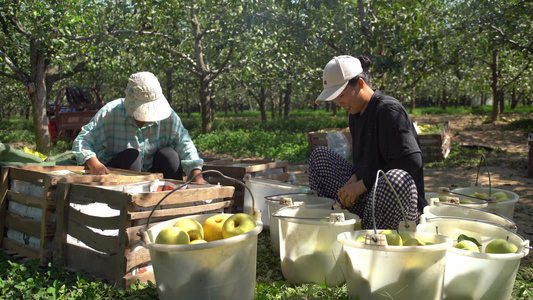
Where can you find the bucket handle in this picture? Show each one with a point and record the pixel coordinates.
(482, 158)
(279, 197)
(254, 213)
(405, 223)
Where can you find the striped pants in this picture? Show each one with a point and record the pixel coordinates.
(329, 172)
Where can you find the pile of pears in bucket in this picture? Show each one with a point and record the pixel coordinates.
(496, 246)
(217, 227)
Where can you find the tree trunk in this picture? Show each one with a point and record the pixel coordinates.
(38, 98)
(205, 103)
(170, 85)
(287, 100)
(494, 85)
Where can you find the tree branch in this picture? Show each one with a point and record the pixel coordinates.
(512, 42)
(20, 75)
(117, 33)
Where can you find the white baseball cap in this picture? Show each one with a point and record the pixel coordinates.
(336, 75)
(144, 99)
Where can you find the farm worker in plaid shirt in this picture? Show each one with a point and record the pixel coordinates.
(140, 132)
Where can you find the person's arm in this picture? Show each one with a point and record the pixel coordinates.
(184, 146)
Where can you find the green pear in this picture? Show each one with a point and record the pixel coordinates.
(393, 237)
(414, 242)
(361, 239)
(467, 245)
(500, 246)
(500, 196)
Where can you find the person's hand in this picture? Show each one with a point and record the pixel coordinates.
(350, 192)
(199, 179)
(96, 167)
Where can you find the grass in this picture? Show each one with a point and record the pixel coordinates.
(30, 280)
(238, 135)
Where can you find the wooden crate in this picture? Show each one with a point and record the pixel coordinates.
(33, 190)
(237, 169)
(318, 138)
(118, 256)
(530, 158)
(434, 147)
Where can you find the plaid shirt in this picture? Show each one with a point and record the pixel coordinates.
(112, 131)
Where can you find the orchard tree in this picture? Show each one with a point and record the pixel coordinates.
(44, 42)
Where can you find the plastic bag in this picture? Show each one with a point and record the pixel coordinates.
(338, 142)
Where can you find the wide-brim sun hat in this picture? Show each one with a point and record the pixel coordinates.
(144, 100)
(336, 75)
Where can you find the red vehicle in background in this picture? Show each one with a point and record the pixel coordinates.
(73, 108)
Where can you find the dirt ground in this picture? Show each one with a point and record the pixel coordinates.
(512, 175)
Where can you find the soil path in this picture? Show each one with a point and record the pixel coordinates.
(511, 174)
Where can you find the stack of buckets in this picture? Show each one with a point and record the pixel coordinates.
(310, 199)
(472, 275)
(376, 270)
(222, 269)
(308, 249)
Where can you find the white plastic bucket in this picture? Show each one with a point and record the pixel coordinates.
(472, 275)
(262, 188)
(505, 208)
(222, 269)
(394, 272)
(275, 202)
(463, 201)
(308, 249)
(451, 210)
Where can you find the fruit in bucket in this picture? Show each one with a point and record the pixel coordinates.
(393, 237)
(414, 242)
(361, 239)
(467, 245)
(193, 228)
(172, 236)
(237, 224)
(480, 195)
(500, 246)
(213, 227)
(500, 196)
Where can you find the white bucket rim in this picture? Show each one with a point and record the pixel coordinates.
(490, 203)
(496, 215)
(271, 202)
(347, 239)
(152, 246)
(523, 248)
(319, 221)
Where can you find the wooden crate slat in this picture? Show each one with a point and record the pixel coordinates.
(28, 200)
(98, 222)
(181, 211)
(85, 194)
(21, 249)
(182, 196)
(136, 259)
(26, 225)
(92, 239)
(95, 263)
(4, 185)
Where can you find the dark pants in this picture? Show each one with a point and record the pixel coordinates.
(166, 160)
(329, 172)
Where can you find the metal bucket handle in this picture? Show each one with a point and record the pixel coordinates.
(374, 200)
(279, 197)
(482, 158)
(255, 214)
